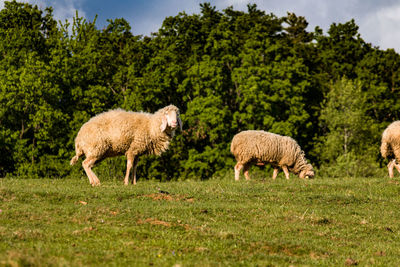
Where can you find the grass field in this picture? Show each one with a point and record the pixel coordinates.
(320, 222)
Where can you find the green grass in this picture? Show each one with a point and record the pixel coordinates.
(320, 222)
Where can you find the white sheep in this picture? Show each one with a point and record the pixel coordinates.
(260, 148)
(119, 132)
(390, 146)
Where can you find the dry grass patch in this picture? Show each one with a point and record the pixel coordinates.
(154, 221)
(167, 197)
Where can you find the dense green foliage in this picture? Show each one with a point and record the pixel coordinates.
(218, 222)
(226, 70)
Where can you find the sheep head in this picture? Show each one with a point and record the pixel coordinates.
(307, 172)
(170, 118)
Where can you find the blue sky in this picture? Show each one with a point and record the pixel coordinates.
(144, 16)
(378, 20)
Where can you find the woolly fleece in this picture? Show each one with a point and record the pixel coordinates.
(119, 132)
(260, 147)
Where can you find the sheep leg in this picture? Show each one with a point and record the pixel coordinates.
(129, 164)
(246, 168)
(390, 166)
(238, 167)
(276, 170)
(135, 163)
(286, 171)
(87, 165)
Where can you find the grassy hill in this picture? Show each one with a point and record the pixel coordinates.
(343, 221)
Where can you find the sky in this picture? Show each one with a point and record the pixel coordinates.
(378, 20)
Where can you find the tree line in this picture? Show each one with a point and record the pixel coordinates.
(226, 70)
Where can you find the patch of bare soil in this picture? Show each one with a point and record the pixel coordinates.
(84, 230)
(350, 262)
(154, 221)
(167, 197)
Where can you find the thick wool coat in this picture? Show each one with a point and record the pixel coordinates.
(118, 132)
(390, 145)
(268, 148)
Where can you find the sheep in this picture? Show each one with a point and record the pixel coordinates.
(119, 132)
(390, 146)
(260, 148)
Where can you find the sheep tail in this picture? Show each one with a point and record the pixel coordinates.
(74, 160)
(385, 149)
(79, 153)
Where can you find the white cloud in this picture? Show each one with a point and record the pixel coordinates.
(66, 9)
(377, 20)
(237, 4)
(62, 9)
(382, 27)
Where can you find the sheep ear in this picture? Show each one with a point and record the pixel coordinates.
(180, 122)
(164, 123)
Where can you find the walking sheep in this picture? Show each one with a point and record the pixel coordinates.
(260, 148)
(118, 132)
(390, 146)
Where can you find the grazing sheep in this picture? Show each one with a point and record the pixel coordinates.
(390, 146)
(260, 148)
(118, 132)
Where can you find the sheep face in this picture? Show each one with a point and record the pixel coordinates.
(307, 172)
(171, 119)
